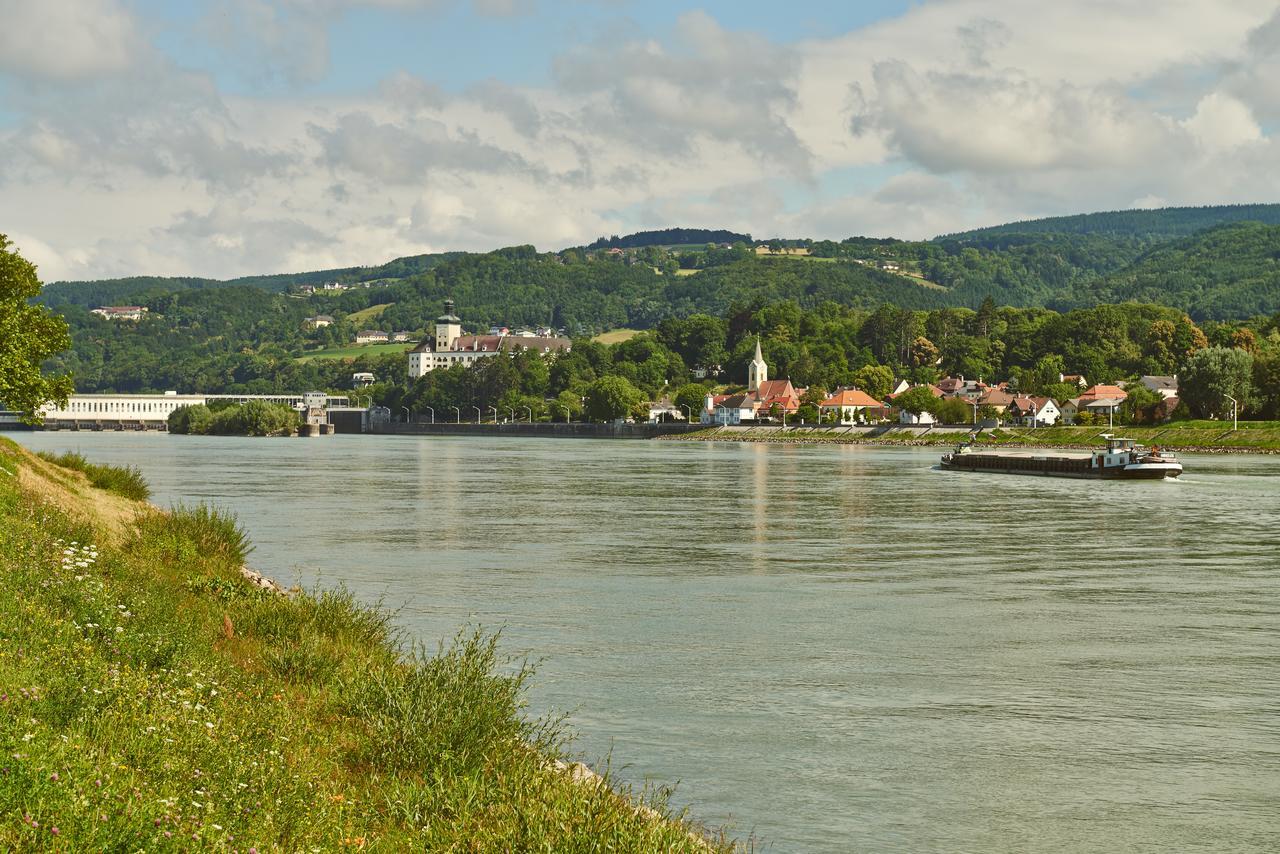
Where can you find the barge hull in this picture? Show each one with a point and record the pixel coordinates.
(1078, 468)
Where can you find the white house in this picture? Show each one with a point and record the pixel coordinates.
(664, 410)
(320, 321)
(916, 418)
(1034, 411)
(1166, 387)
(371, 336)
(120, 312)
(733, 409)
(360, 379)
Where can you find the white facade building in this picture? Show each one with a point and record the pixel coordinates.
(120, 312)
(450, 347)
(150, 409)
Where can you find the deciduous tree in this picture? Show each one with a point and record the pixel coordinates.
(1211, 375)
(29, 334)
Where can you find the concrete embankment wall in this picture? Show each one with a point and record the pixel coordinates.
(558, 430)
(889, 434)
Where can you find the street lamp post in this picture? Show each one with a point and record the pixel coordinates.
(477, 409)
(457, 413)
(433, 413)
(1235, 412)
(512, 413)
(688, 413)
(528, 414)
(494, 410)
(406, 414)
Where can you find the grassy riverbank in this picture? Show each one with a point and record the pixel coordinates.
(1204, 436)
(156, 699)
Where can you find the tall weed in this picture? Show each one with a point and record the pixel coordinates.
(198, 531)
(122, 480)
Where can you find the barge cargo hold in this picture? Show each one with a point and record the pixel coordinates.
(1123, 459)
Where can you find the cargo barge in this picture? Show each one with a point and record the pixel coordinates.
(1122, 459)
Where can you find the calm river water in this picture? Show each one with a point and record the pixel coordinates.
(836, 648)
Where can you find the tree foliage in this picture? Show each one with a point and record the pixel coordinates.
(252, 418)
(610, 398)
(29, 334)
(1212, 375)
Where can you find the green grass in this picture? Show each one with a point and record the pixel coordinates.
(368, 313)
(616, 336)
(122, 480)
(154, 700)
(356, 350)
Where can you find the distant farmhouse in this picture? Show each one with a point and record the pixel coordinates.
(318, 322)
(450, 347)
(372, 336)
(120, 312)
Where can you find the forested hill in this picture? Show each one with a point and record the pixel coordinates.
(137, 290)
(1158, 224)
(1232, 271)
(1227, 272)
(670, 237)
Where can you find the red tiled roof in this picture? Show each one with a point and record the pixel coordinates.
(1104, 391)
(850, 397)
(995, 397)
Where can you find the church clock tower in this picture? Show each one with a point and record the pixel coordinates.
(448, 328)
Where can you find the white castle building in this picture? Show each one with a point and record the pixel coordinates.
(449, 347)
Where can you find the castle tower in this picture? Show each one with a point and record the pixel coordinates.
(448, 328)
(757, 371)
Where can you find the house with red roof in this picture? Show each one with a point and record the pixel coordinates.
(1034, 411)
(1100, 392)
(852, 406)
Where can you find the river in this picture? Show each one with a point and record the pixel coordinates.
(834, 648)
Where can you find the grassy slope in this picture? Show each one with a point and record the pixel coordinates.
(154, 699)
(356, 350)
(369, 313)
(616, 336)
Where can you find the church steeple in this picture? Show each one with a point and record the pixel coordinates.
(758, 371)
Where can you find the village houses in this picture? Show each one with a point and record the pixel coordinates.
(763, 398)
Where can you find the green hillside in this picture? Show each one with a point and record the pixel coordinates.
(1232, 271)
(137, 290)
(1156, 224)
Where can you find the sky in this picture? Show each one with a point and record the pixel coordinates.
(155, 137)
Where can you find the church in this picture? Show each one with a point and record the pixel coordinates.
(762, 397)
(449, 347)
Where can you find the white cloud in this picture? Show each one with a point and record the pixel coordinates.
(62, 40)
(1222, 123)
(956, 114)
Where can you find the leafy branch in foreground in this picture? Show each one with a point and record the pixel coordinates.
(29, 334)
